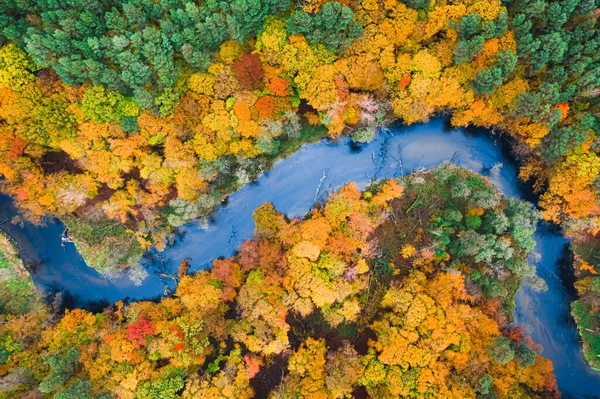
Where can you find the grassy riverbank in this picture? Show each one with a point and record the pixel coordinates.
(18, 294)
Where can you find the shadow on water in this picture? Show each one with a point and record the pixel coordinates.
(293, 186)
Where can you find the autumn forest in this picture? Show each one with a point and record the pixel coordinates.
(126, 119)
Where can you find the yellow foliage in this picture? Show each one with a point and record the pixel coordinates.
(427, 64)
(307, 249)
(488, 10)
(202, 83)
(408, 251)
(229, 51)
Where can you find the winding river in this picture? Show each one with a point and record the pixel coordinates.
(293, 186)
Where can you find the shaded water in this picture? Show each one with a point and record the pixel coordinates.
(293, 186)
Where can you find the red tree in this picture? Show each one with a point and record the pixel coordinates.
(249, 72)
(137, 332)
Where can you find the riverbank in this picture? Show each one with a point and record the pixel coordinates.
(18, 294)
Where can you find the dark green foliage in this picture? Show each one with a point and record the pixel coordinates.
(129, 124)
(417, 4)
(333, 25)
(4, 355)
(483, 241)
(495, 222)
(529, 105)
(524, 356)
(501, 351)
(560, 140)
(489, 79)
(466, 50)
(80, 389)
(588, 322)
(472, 33)
(473, 222)
(62, 368)
(468, 26)
(130, 45)
(523, 217)
(484, 384)
(493, 288)
(557, 43)
(268, 145)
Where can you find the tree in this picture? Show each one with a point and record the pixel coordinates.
(167, 385)
(62, 369)
(501, 351)
(523, 355)
(16, 69)
(80, 389)
(101, 105)
(333, 25)
(469, 26)
(248, 71)
(138, 332)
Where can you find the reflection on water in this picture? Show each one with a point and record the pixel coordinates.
(292, 187)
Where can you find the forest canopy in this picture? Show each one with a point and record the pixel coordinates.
(126, 119)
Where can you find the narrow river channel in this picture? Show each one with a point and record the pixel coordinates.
(293, 186)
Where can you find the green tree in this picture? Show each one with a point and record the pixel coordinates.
(102, 105)
(166, 386)
(501, 351)
(524, 356)
(62, 368)
(333, 25)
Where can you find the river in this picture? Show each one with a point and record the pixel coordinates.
(293, 186)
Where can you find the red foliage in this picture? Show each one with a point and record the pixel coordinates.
(342, 246)
(22, 194)
(263, 254)
(532, 345)
(223, 270)
(515, 334)
(249, 72)
(137, 332)
(17, 147)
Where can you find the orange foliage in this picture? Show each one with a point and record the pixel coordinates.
(584, 266)
(404, 82)
(278, 86)
(265, 106)
(564, 110)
